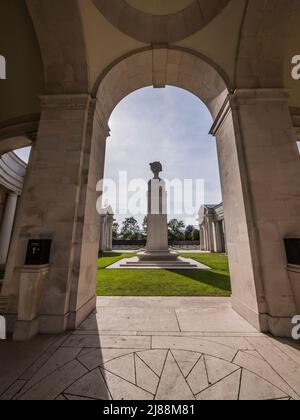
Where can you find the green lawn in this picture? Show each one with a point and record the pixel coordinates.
(117, 282)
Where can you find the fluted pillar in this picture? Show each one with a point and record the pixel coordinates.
(58, 203)
(260, 177)
(7, 226)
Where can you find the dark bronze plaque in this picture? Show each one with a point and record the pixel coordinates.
(38, 252)
(292, 247)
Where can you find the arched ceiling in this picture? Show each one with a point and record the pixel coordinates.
(158, 7)
(19, 93)
(159, 28)
(62, 47)
(59, 29)
(261, 55)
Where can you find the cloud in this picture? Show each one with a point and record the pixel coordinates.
(169, 125)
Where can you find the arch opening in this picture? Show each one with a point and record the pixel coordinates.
(170, 125)
(236, 134)
(159, 68)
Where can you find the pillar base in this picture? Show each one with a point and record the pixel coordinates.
(265, 323)
(280, 326)
(157, 256)
(253, 317)
(25, 330)
(77, 318)
(58, 324)
(49, 324)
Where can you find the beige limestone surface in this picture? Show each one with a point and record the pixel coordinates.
(238, 47)
(143, 348)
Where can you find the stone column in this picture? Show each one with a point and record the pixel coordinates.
(201, 238)
(59, 203)
(215, 237)
(7, 226)
(260, 177)
(205, 237)
(103, 233)
(224, 235)
(221, 242)
(210, 236)
(106, 236)
(110, 221)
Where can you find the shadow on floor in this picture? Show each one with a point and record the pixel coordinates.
(210, 278)
(100, 364)
(111, 254)
(61, 367)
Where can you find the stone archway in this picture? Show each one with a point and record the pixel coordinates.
(68, 160)
(254, 232)
(159, 67)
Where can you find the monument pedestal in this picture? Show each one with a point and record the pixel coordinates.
(157, 248)
(157, 253)
(157, 256)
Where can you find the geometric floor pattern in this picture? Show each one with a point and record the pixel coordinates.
(91, 364)
(152, 375)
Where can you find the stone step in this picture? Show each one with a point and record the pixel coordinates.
(158, 265)
(3, 304)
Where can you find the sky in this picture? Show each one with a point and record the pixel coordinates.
(168, 125)
(24, 153)
(171, 126)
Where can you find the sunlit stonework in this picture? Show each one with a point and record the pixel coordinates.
(64, 67)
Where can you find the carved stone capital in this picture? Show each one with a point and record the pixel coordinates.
(74, 102)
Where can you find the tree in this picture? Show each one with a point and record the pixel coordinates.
(115, 230)
(176, 230)
(196, 235)
(130, 229)
(189, 233)
(145, 227)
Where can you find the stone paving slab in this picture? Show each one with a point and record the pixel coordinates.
(169, 314)
(111, 342)
(159, 302)
(212, 319)
(138, 319)
(15, 358)
(94, 364)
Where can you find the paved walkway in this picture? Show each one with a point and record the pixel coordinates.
(153, 348)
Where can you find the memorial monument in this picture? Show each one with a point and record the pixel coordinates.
(157, 248)
(157, 253)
